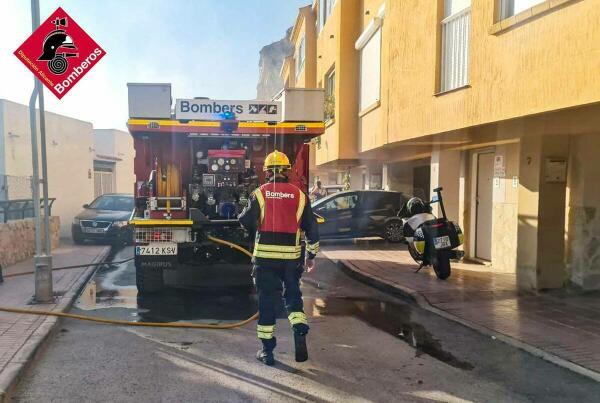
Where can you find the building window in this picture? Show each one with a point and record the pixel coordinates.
(370, 71)
(300, 57)
(104, 177)
(330, 84)
(326, 9)
(514, 7)
(330, 95)
(455, 44)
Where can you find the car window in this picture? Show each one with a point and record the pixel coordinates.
(372, 200)
(115, 203)
(369, 200)
(389, 201)
(340, 203)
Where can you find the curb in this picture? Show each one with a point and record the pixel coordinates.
(412, 296)
(15, 369)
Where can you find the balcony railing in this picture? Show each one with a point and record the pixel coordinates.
(20, 209)
(455, 50)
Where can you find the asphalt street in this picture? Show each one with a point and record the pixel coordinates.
(364, 346)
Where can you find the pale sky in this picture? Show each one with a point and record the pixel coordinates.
(202, 47)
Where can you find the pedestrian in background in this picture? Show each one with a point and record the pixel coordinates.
(318, 191)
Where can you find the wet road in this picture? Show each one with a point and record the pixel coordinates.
(364, 346)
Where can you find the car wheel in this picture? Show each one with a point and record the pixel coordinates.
(117, 243)
(393, 231)
(77, 240)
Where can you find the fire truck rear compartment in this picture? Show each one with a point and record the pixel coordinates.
(194, 177)
(212, 175)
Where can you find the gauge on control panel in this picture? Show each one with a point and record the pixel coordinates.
(227, 167)
(214, 167)
(232, 161)
(220, 161)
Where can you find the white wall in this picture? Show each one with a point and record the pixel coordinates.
(505, 209)
(118, 145)
(446, 173)
(124, 170)
(70, 158)
(356, 178)
(583, 226)
(104, 142)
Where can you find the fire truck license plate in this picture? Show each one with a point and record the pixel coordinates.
(442, 242)
(156, 249)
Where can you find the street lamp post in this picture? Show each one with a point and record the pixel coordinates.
(43, 254)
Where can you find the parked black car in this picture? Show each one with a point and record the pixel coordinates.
(361, 213)
(105, 219)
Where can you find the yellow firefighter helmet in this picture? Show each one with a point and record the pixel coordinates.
(276, 161)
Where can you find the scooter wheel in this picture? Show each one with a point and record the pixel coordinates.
(441, 264)
(414, 253)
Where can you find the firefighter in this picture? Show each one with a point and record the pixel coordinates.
(278, 212)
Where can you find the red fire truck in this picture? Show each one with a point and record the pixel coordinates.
(196, 164)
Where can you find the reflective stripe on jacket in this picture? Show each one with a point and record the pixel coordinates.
(278, 220)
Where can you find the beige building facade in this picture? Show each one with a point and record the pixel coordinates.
(497, 101)
(73, 147)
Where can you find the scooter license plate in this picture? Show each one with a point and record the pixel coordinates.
(441, 242)
(156, 250)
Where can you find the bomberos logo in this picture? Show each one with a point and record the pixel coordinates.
(279, 195)
(59, 53)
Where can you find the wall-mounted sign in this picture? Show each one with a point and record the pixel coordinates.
(515, 182)
(212, 109)
(556, 170)
(499, 169)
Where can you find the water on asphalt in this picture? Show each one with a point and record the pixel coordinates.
(364, 346)
(112, 293)
(392, 318)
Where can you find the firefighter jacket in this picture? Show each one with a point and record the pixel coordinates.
(278, 212)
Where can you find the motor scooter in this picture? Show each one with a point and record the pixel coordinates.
(433, 241)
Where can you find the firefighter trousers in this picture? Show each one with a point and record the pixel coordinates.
(269, 283)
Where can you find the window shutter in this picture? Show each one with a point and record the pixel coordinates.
(370, 71)
(455, 50)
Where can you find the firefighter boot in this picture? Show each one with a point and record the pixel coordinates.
(300, 332)
(265, 355)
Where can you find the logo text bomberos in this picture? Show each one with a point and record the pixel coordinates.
(87, 63)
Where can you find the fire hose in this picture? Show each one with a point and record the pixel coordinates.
(185, 325)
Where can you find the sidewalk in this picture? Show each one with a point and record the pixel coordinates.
(22, 335)
(556, 326)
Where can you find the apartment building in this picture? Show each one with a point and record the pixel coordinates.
(299, 70)
(495, 100)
